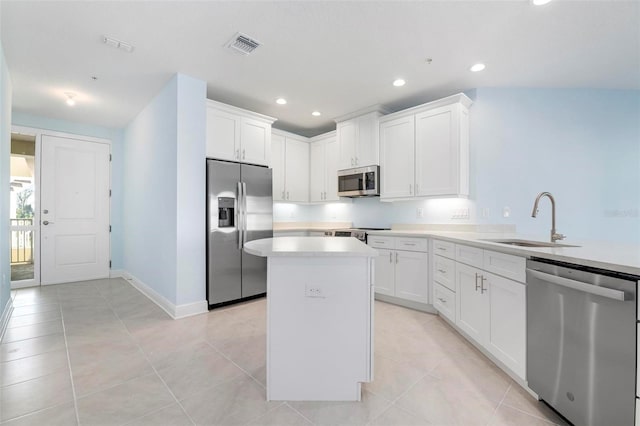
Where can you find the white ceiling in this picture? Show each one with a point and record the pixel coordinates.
(331, 56)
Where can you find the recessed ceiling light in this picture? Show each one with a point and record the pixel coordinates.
(540, 2)
(70, 101)
(281, 101)
(477, 67)
(316, 113)
(399, 82)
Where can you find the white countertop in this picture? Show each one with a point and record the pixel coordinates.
(606, 255)
(309, 246)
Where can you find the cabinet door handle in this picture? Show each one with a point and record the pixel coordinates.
(482, 280)
(390, 257)
(243, 154)
(396, 257)
(238, 154)
(442, 248)
(287, 195)
(442, 271)
(356, 161)
(417, 190)
(410, 189)
(442, 300)
(477, 285)
(352, 163)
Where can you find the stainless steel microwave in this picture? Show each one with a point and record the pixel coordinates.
(359, 182)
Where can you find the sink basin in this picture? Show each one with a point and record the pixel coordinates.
(528, 243)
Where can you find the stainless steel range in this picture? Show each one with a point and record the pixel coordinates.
(359, 233)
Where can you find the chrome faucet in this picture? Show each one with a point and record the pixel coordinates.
(554, 235)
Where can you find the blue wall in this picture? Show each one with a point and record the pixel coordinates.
(581, 145)
(5, 153)
(117, 152)
(164, 149)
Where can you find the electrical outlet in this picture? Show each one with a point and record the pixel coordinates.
(314, 291)
(485, 212)
(460, 214)
(419, 212)
(506, 211)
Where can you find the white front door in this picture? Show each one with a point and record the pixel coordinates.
(74, 210)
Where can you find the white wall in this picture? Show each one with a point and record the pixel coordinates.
(5, 153)
(164, 217)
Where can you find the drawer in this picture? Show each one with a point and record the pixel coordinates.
(411, 244)
(506, 265)
(470, 255)
(444, 300)
(444, 272)
(381, 242)
(444, 248)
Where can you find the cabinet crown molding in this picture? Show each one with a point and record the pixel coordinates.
(239, 111)
(380, 109)
(459, 98)
(331, 134)
(286, 134)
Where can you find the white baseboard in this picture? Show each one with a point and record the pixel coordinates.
(23, 284)
(4, 318)
(117, 273)
(175, 311)
(407, 303)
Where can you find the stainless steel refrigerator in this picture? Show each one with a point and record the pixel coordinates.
(239, 209)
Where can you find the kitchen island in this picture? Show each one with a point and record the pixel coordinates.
(319, 317)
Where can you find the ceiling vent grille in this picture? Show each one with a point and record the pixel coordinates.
(242, 43)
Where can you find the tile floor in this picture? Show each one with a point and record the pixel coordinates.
(100, 353)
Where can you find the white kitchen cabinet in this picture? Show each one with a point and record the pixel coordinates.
(290, 163)
(323, 168)
(239, 135)
(444, 300)
(491, 309)
(397, 154)
(358, 139)
(401, 268)
(424, 151)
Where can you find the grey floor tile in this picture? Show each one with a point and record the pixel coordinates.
(33, 330)
(30, 347)
(235, 402)
(22, 320)
(124, 403)
(507, 416)
(61, 415)
(520, 399)
(396, 416)
(23, 369)
(33, 395)
(343, 413)
(170, 416)
(34, 309)
(195, 368)
(281, 416)
(391, 378)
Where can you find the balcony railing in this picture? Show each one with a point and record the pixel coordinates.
(21, 242)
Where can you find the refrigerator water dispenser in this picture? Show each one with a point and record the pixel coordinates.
(226, 212)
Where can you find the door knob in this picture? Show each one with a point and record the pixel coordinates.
(45, 211)
(46, 222)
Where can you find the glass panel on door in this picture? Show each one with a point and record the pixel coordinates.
(22, 207)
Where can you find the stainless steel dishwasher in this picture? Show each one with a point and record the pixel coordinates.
(581, 341)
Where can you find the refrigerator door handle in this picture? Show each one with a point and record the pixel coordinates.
(239, 224)
(244, 213)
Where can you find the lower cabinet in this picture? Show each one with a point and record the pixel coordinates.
(488, 308)
(401, 273)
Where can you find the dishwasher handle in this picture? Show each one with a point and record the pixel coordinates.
(580, 286)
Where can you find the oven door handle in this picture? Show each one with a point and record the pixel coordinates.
(580, 286)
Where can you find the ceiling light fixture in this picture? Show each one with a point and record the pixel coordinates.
(70, 101)
(281, 101)
(316, 113)
(539, 2)
(477, 67)
(118, 44)
(399, 82)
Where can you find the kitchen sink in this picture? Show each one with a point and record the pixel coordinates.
(527, 243)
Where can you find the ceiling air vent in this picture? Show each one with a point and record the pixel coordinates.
(243, 43)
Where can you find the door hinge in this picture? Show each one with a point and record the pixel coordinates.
(109, 264)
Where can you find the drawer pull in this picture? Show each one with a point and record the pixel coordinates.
(409, 244)
(379, 242)
(477, 285)
(442, 300)
(442, 271)
(442, 248)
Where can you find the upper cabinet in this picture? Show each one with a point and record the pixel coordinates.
(290, 164)
(323, 169)
(236, 134)
(358, 140)
(424, 151)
